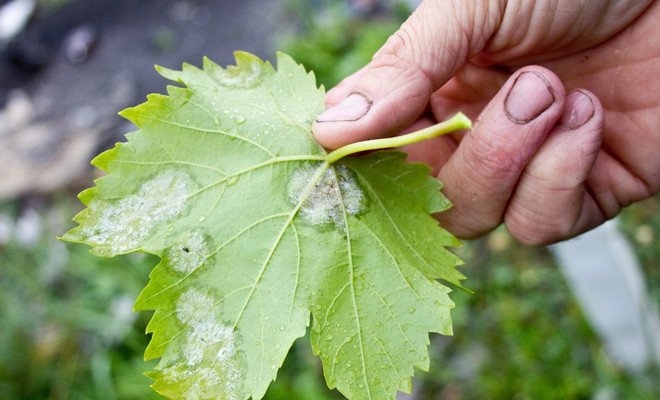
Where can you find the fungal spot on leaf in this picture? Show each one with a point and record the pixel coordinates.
(336, 192)
(207, 365)
(119, 226)
(242, 76)
(188, 254)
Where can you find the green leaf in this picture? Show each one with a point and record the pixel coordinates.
(256, 229)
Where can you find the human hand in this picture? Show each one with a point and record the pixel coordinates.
(547, 163)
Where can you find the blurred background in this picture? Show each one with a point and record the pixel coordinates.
(558, 323)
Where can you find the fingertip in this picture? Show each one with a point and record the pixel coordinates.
(385, 100)
(582, 108)
(330, 135)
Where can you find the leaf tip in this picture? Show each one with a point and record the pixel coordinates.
(246, 59)
(168, 73)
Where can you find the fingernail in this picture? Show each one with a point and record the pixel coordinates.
(579, 110)
(352, 108)
(529, 97)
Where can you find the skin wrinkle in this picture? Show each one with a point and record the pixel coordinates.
(494, 164)
(590, 215)
(601, 68)
(394, 111)
(645, 188)
(591, 193)
(513, 38)
(604, 183)
(628, 162)
(564, 227)
(482, 15)
(398, 43)
(393, 60)
(536, 224)
(449, 58)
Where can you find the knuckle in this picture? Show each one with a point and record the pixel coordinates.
(492, 163)
(416, 47)
(398, 57)
(533, 227)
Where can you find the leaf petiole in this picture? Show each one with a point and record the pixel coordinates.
(458, 121)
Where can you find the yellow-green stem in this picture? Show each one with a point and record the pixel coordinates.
(458, 121)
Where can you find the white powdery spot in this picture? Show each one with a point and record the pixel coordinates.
(208, 365)
(116, 227)
(243, 78)
(194, 307)
(336, 192)
(188, 254)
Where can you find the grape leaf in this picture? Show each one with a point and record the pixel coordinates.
(256, 230)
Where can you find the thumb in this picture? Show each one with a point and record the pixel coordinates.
(390, 93)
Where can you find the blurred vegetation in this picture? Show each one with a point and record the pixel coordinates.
(333, 45)
(50, 6)
(68, 331)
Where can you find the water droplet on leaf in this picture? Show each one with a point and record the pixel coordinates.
(231, 180)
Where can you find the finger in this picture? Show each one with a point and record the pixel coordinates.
(392, 91)
(551, 202)
(481, 175)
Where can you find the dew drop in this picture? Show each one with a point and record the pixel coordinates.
(411, 310)
(231, 180)
(201, 219)
(329, 337)
(239, 119)
(379, 324)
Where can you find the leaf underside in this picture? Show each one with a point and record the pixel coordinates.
(255, 230)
